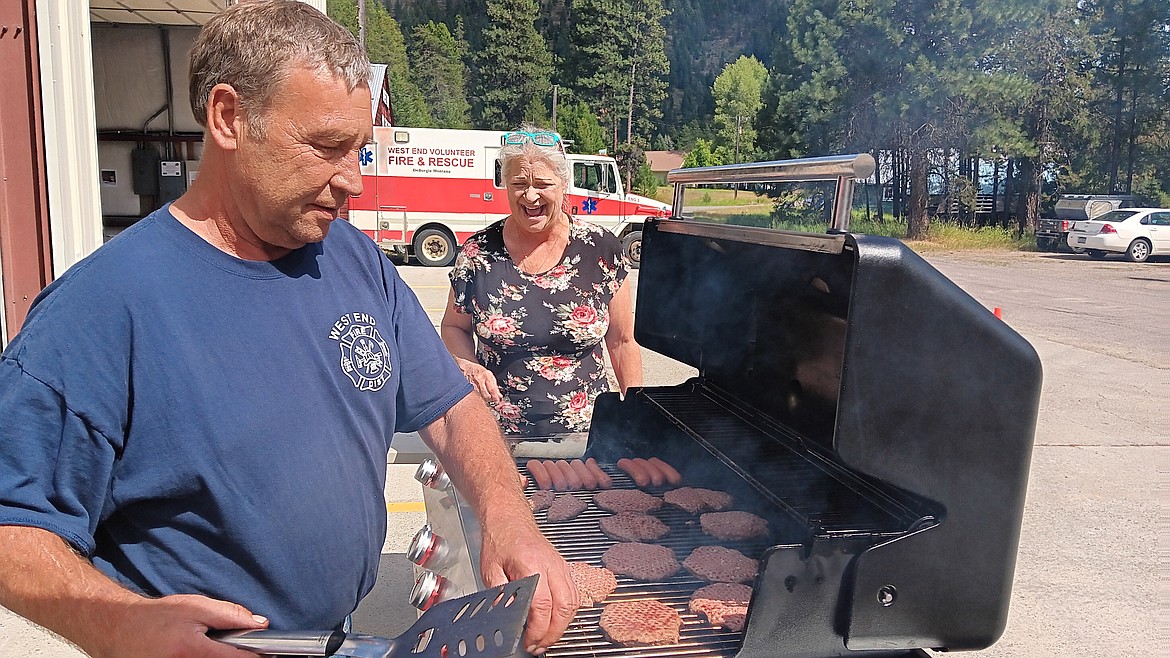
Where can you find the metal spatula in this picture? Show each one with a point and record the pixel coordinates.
(487, 624)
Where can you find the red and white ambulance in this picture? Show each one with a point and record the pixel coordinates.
(426, 190)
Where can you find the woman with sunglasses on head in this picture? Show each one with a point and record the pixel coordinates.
(541, 290)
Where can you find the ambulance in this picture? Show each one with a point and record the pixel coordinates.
(426, 190)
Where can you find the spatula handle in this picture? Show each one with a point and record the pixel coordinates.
(283, 643)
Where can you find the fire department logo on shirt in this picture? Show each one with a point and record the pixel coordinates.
(365, 357)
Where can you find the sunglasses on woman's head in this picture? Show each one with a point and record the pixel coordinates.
(542, 138)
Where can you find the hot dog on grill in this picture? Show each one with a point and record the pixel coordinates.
(672, 476)
(558, 479)
(657, 477)
(574, 480)
(543, 480)
(603, 479)
(630, 468)
(587, 479)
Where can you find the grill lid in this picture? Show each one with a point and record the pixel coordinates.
(879, 376)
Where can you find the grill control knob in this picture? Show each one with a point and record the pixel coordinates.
(428, 590)
(431, 474)
(427, 549)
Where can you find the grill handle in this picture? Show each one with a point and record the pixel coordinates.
(283, 643)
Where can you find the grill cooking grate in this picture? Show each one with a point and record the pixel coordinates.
(581, 540)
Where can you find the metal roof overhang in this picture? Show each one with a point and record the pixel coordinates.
(155, 12)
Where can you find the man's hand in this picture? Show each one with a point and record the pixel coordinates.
(467, 441)
(511, 553)
(177, 626)
(44, 580)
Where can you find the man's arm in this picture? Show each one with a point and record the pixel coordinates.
(468, 443)
(44, 580)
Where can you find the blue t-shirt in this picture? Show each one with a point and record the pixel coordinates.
(197, 423)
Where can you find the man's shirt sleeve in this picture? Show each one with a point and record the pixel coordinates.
(431, 383)
(54, 467)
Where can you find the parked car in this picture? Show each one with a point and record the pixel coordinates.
(1136, 232)
(1052, 232)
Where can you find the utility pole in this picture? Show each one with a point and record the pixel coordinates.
(555, 88)
(361, 6)
(630, 116)
(738, 132)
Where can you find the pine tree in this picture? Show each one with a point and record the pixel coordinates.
(619, 50)
(436, 60)
(385, 45)
(1134, 74)
(578, 123)
(514, 67)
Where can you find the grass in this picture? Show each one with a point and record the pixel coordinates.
(946, 236)
(713, 197)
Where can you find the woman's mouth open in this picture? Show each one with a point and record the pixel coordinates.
(534, 212)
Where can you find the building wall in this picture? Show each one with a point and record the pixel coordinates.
(73, 162)
(70, 142)
(130, 97)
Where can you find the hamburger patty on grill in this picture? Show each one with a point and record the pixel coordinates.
(641, 561)
(541, 499)
(695, 500)
(724, 604)
(640, 623)
(593, 583)
(629, 526)
(721, 565)
(627, 500)
(733, 525)
(565, 507)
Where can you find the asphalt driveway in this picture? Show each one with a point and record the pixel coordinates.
(1089, 579)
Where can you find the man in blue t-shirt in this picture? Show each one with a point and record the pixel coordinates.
(196, 416)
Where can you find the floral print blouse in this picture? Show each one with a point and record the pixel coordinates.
(540, 334)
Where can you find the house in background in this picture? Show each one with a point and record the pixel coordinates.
(662, 162)
(380, 105)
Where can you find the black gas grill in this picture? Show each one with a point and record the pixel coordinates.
(877, 416)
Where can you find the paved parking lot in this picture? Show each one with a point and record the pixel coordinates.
(1090, 575)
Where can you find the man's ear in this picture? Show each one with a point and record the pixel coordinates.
(225, 116)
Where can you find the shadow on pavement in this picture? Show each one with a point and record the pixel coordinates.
(385, 611)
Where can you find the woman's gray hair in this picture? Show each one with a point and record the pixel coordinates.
(553, 155)
(253, 46)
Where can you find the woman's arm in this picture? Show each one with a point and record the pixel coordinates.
(455, 331)
(624, 353)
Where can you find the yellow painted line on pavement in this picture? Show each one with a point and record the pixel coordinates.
(414, 506)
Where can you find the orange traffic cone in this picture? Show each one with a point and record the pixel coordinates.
(998, 312)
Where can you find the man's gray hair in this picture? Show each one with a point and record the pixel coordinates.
(553, 155)
(253, 46)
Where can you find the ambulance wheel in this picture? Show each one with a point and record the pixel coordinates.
(434, 248)
(632, 246)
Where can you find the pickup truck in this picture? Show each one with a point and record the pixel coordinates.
(1052, 233)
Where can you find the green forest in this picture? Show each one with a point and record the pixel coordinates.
(1023, 99)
